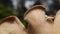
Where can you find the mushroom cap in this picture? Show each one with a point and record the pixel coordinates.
(34, 7)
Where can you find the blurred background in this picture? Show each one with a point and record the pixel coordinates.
(19, 7)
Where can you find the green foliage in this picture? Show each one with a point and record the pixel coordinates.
(6, 11)
(59, 2)
(24, 22)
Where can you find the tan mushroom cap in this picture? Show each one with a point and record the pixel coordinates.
(11, 19)
(35, 7)
(12, 25)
